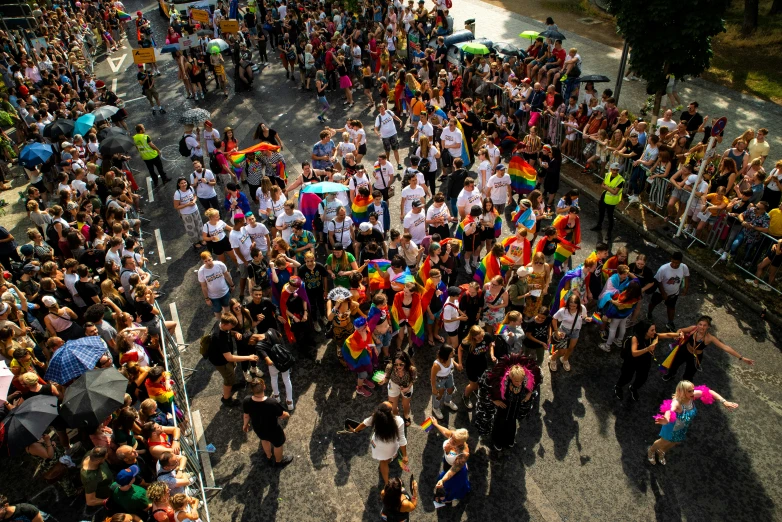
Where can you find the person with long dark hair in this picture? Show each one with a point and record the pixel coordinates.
(388, 436)
(397, 503)
(637, 355)
(551, 161)
(400, 375)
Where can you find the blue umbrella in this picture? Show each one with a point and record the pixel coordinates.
(84, 124)
(75, 358)
(169, 48)
(35, 154)
(324, 187)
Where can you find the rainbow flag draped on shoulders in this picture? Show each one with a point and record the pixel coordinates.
(308, 205)
(160, 391)
(572, 280)
(523, 176)
(497, 225)
(459, 234)
(617, 311)
(492, 266)
(355, 351)
(560, 223)
(524, 217)
(238, 157)
(430, 292)
(374, 315)
(610, 266)
(508, 242)
(377, 272)
(404, 277)
(415, 317)
(465, 154)
(564, 250)
(424, 269)
(360, 208)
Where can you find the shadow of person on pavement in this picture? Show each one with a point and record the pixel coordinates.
(560, 414)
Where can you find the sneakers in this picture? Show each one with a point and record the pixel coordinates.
(437, 413)
(255, 370)
(229, 403)
(618, 393)
(247, 376)
(290, 405)
(162, 110)
(363, 391)
(369, 384)
(565, 365)
(317, 327)
(552, 364)
(633, 394)
(399, 166)
(468, 269)
(604, 347)
(467, 402)
(451, 405)
(287, 459)
(320, 119)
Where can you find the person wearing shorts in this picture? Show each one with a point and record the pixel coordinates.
(147, 82)
(263, 414)
(222, 347)
(216, 284)
(772, 261)
(443, 386)
(385, 128)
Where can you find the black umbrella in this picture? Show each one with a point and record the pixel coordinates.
(27, 423)
(116, 144)
(551, 33)
(507, 49)
(57, 127)
(93, 397)
(596, 78)
(110, 131)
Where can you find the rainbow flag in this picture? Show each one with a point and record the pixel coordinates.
(465, 153)
(373, 316)
(575, 277)
(492, 266)
(427, 424)
(376, 271)
(610, 266)
(360, 208)
(459, 234)
(440, 113)
(159, 391)
(668, 362)
(523, 176)
(404, 278)
(401, 462)
(497, 225)
(423, 270)
(281, 172)
(356, 353)
(501, 328)
(596, 318)
(122, 15)
(560, 223)
(524, 217)
(430, 291)
(456, 244)
(239, 157)
(308, 205)
(527, 256)
(621, 310)
(564, 250)
(415, 318)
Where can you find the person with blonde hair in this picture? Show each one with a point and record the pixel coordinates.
(214, 234)
(216, 284)
(472, 354)
(185, 508)
(158, 494)
(453, 483)
(677, 414)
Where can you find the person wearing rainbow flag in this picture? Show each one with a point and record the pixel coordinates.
(357, 353)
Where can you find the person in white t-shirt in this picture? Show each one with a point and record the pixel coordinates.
(468, 197)
(424, 128)
(241, 242)
(498, 188)
(360, 179)
(415, 222)
(450, 142)
(210, 136)
(684, 181)
(485, 169)
(412, 192)
(383, 175)
(669, 279)
(216, 284)
(287, 218)
(344, 148)
(385, 128)
(258, 233)
(567, 323)
(185, 203)
(340, 230)
(204, 182)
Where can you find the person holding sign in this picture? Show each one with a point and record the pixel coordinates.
(218, 63)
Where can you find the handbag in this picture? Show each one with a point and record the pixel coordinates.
(389, 188)
(561, 344)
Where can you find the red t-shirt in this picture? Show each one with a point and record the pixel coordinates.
(559, 54)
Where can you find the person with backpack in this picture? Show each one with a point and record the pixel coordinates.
(204, 182)
(220, 352)
(190, 144)
(280, 360)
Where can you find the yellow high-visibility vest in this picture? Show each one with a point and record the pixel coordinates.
(611, 199)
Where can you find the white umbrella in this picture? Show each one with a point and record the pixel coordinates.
(5, 380)
(219, 43)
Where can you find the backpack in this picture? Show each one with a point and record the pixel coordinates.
(184, 150)
(501, 347)
(52, 237)
(205, 343)
(282, 358)
(423, 166)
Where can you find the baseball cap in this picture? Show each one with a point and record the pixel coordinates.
(338, 246)
(48, 301)
(417, 203)
(523, 272)
(66, 144)
(26, 250)
(615, 166)
(453, 291)
(365, 227)
(30, 268)
(359, 322)
(3, 307)
(526, 80)
(126, 476)
(500, 166)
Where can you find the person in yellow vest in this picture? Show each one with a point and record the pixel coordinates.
(150, 154)
(612, 195)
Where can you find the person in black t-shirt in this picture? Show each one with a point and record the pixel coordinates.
(538, 335)
(314, 275)
(646, 277)
(85, 287)
(262, 413)
(221, 354)
(262, 311)
(19, 512)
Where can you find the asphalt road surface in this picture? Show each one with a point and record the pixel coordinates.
(580, 457)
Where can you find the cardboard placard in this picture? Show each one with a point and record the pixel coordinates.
(39, 44)
(187, 43)
(141, 56)
(229, 26)
(199, 15)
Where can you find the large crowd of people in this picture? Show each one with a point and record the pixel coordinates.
(477, 271)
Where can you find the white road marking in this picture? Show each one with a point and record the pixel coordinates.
(115, 66)
(539, 500)
(175, 317)
(160, 252)
(150, 192)
(114, 88)
(135, 99)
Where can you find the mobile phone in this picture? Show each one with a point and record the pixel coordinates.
(351, 424)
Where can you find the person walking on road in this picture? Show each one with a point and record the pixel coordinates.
(388, 437)
(222, 349)
(263, 414)
(385, 128)
(150, 154)
(147, 82)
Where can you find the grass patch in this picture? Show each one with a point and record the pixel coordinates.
(577, 7)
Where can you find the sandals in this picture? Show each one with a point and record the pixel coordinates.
(650, 456)
(661, 457)
(408, 422)
(439, 339)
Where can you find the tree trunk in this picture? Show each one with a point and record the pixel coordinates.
(658, 97)
(776, 8)
(751, 9)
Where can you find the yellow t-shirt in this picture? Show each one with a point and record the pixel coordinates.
(716, 200)
(775, 222)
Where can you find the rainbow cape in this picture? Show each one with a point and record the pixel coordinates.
(623, 309)
(564, 250)
(509, 241)
(524, 217)
(465, 154)
(523, 176)
(376, 271)
(374, 315)
(423, 270)
(560, 223)
(308, 205)
(610, 267)
(404, 278)
(159, 391)
(441, 113)
(430, 291)
(497, 225)
(360, 208)
(459, 234)
(415, 318)
(355, 351)
(572, 279)
(122, 15)
(492, 266)
(239, 157)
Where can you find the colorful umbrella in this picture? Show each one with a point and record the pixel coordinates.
(84, 124)
(93, 397)
(27, 423)
(35, 154)
(324, 187)
(529, 34)
(75, 358)
(473, 48)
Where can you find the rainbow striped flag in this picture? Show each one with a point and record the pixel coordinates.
(501, 328)
(564, 250)
(239, 157)
(596, 318)
(617, 311)
(356, 353)
(465, 153)
(308, 205)
(523, 176)
(404, 277)
(159, 391)
(373, 316)
(376, 271)
(427, 424)
(524, 217)
(490, 267)
(122, 15)
(459, 234)
(560, 223)
(281, 172)
(497, 225)
(610, 266)
(415, 317)
(423, 270)
(430, 293)
(668, 362)
(360, 208)
(439, 112)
